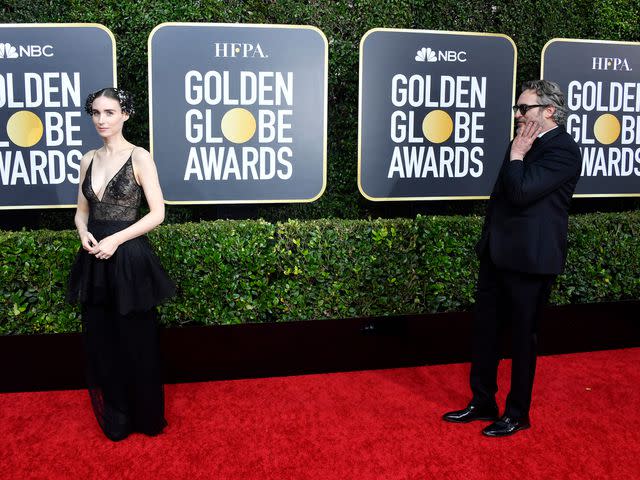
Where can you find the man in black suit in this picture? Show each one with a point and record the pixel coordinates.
(522, 249)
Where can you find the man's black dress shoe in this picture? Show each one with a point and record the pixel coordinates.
(506, 426)
(471, 413)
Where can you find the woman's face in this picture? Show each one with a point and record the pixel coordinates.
(108, 117)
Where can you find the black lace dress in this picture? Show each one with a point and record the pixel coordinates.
(118, 298)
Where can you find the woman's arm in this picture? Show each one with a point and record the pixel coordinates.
(81, 218)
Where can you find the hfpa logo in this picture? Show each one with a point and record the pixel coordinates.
(611, 63)
(235, 50)
(428, 55)
(10, 51)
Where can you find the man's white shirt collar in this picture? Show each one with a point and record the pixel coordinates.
(546, 131)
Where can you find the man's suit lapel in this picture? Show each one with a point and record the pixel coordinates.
(539, 142)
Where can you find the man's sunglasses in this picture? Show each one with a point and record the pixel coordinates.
(525, 108)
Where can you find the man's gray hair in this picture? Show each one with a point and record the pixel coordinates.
(549, 94)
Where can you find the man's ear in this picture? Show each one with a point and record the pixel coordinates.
(549, 111)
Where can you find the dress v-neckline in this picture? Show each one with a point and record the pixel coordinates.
(106, 185)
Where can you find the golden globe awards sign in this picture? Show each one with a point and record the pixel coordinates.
(601, 81)
(238, 112)
(46, 72)
(435, 113)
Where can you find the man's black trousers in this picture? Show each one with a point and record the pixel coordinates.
(506, 298)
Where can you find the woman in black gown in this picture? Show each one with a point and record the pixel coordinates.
(116, 276)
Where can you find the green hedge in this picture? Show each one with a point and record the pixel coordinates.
(232, 272)
(531, 23)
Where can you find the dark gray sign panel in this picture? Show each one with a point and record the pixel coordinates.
(46, 73)
(601, 81)
(238, 112)
(435, 113)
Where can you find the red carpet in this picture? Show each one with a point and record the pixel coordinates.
(381, 424)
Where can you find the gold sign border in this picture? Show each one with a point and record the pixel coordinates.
(246, 25)
(439, 32)
(115, 82)
(584, 40)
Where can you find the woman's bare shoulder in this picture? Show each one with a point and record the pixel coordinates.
(140, 155)
(87, 157)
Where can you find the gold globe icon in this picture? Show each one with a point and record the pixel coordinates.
(437, 126)
(25, 128)
(606, 129)
(238, 125)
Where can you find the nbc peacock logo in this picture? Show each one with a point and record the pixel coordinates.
(8, 51)
(426, 55)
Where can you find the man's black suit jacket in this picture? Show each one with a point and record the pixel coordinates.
(525, 228)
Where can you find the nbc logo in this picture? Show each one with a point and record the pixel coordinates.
(8, 51)
(426, 55)
(33, 51)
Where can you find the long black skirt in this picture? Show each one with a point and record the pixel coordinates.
(123, 371)
(120, 325)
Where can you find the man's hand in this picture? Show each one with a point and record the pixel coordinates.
(525, 137)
